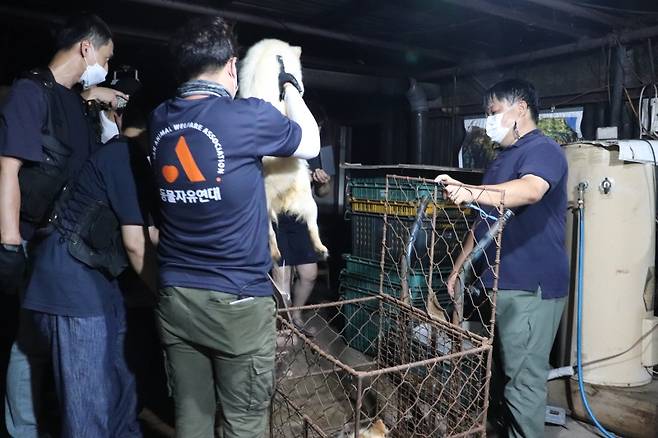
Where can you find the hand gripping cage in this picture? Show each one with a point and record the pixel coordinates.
(397, 347)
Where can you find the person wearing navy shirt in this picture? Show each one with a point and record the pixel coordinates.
(533, 279)
(216, 312)
(75, 310)
(42, 111)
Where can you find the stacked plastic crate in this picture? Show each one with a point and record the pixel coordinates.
(362, 274)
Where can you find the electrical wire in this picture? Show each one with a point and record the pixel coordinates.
(630, 103)
(483, 214)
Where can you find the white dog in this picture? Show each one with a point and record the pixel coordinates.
(287, 180)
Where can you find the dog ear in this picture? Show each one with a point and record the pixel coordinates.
(297, 50)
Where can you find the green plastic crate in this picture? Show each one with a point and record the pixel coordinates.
(372, 268)
(418, 295)
(368, 229)
(361, 322)
(374, 189)
(361, 283)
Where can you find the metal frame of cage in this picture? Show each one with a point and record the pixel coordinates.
(437, 385)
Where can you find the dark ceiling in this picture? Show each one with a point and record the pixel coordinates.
(425, 38)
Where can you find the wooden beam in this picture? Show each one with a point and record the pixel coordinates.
(586, 13)
(513, 14)
(528, 57)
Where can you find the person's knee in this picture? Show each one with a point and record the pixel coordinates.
(308, 273)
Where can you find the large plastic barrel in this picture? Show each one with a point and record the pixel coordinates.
(619, 244)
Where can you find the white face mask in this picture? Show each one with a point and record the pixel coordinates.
(109, 129)
(93, 74)
(495, 129)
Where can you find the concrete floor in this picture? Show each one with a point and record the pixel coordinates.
(329, 339)
(573, 429)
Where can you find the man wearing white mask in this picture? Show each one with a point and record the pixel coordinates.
(44, 140)
(533, 279)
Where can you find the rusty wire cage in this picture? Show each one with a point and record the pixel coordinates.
(423, 237)
(397, 356)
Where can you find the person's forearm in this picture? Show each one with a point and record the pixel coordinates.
(515, 193)
(309, 146)
(142, 257)
(10, 201)
(149, 272)
(467, 247)
(154, 234)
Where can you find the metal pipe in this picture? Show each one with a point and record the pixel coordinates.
(524, 58)
(651, 62)
(618, 61)
(418, 102)
(296, 27)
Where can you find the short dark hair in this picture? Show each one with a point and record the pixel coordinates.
(514, 90)
(135, 113)
(202, 44)
(80, 27)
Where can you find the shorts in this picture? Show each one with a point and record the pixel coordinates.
(294, 242)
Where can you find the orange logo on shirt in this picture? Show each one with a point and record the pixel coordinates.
(186, 159)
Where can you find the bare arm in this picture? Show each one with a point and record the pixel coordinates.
(467, 247)
(154, 234)
(10, 201)
(141, 253)
(309, 146)
(526, 190)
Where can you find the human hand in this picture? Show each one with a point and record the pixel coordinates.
(105, 95)
(446, 179)
(320, 176)
(455, 190)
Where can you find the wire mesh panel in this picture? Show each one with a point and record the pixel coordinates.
(421, 231)
(419, 377)
(402, 354)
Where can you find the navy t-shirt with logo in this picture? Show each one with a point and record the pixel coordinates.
(206, 154)
(533, 250)
(22, 118)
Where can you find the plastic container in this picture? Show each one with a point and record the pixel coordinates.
(368, 230)
(374, 189)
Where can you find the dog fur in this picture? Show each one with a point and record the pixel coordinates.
(376, 430)
(287, 179)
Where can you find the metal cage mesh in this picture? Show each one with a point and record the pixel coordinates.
(403, 358)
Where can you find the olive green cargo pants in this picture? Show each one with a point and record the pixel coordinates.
(218, 353)
(526, 326)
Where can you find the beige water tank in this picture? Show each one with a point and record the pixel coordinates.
(618, 285)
